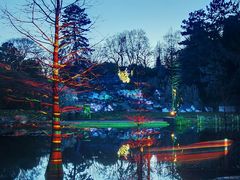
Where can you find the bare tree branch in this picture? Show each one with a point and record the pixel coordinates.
(46, 14)
(40, 30)
(27, 34)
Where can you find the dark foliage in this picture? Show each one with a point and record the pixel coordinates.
(211, 54)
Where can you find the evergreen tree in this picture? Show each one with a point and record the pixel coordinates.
(76, 24)
(74, 47)
(211, 54)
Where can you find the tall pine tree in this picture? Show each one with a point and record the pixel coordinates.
(76, 24)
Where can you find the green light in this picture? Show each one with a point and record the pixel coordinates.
(124, 124)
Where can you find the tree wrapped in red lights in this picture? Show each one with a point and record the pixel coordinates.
(138, 119)
(46, 14)
(66, 51)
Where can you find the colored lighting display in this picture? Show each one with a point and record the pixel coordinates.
(184, 158)
(124, 150)
(173, 113)
(124, 76)
(185, 154)
(118, 124)
(138, 119)
(144, 142)
(200, 145)
(70, 108)
(54, 168)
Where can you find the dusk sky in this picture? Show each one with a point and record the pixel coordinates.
(155, 17)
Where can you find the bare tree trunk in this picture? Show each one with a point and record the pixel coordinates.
(55, 169)
(56, 129)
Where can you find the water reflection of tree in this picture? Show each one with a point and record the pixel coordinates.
(20, 154)
(35, 172)
(165, 170)
(95, 159)
(77, 161)
(119, 170)
(77, 171)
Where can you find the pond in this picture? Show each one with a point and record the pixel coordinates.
(171, 152)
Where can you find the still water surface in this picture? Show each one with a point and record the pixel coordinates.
(176, 153)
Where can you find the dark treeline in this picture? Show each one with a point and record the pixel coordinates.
(210, 57)
(21, 70)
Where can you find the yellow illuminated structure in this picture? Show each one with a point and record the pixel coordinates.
(124, 76)
(124, 150)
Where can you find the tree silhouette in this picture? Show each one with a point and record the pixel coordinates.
(210, 57)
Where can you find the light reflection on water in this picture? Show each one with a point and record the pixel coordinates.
(120, 170)
(36, 172)
(97, 158)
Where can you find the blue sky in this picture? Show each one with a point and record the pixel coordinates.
(156, 17)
